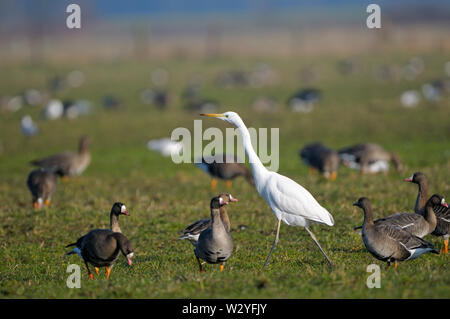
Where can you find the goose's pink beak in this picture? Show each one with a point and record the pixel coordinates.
(409, 179)
(130, 262)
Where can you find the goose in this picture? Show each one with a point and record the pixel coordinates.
(165, 146)
(28, 126)
(304, 100)
(319, 157)
(101, 248)
(42, 185)
(442, 212)
(117, 209)
(390, 243)
(369, 158)
(68, 163)
(192, 232)
(225, 167)
(289, 201)
(418, 225)
(214, 244)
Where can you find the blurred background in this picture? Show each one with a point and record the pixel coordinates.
(35, 30)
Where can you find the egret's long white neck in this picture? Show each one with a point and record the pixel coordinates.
(259, 171)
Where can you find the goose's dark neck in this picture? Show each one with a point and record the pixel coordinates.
(224, 218)
(114, 223)
(368, 216)
(429, 215)
(422, 197)
(215, 216)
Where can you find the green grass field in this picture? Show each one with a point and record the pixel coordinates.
(162, 197)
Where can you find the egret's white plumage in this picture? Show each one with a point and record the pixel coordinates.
(289, 201)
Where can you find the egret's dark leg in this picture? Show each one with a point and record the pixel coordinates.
(317, 243)
(200, 265)
(274, 243)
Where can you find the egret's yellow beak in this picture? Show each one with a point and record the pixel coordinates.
(212, 115)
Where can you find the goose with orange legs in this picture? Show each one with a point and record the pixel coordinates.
(214, 244)
(192, 232)
(442, 212)
(225, 167)
(390, 243)
(42, 184)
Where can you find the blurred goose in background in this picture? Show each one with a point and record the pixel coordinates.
(214, 244)
(68, 163)
(410, 98)
(42, 185)
(264, 104)
(390, 243)
(54, 109)
(418, 225)
(111, 102)
(192, 232)
(304, 100)
(369, 158)
(321, 158)
(223, 166)
(28, 127)
(165, 146)
(157, 97)
(442, 212)
(101, 248)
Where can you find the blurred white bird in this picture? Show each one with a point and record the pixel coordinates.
(289, 201)
(410, 98)
(165, 146)
(28, 127)
(54, 109)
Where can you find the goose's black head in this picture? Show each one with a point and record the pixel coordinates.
(417, 178)
(363, 202)
(437, 199)
(218, 202)
(119, 209)
(126, 247)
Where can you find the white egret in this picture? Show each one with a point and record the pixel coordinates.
(289, 201)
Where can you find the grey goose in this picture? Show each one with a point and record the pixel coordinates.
(214, 244)
(442, 212)
(224, 167)
(418, 225)
(369, 158)
(68, 163)
(192, 232)
(390, 243)
(321, 158)
(101, 248)
(42, 185)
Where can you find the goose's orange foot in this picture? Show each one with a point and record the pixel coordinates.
(395, 264)
(444, 250)
(333, 176)
(35, 205)
(91, 276)
(96, 270)
(47, 202)
(108, 272)
(213, 184)
(221, 268)
(228, 184)
(64, 178)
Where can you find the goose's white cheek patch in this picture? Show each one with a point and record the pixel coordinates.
(123, 209)
(220, 200)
